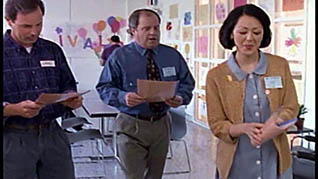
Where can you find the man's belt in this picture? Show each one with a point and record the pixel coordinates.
(148, 118)
(30, 126)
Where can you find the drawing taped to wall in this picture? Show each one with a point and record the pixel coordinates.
(187, 18)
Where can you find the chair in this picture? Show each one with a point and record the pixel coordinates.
(178, 131)
(82, 135)
(74, 121)
(303, 159)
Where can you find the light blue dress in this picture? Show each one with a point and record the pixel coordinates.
(254, 162)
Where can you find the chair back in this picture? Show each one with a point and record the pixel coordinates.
(178, 123)
(74, 121)
(85, 134)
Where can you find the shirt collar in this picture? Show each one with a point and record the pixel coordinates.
(7, 37)
(240, 74)
(143, 51)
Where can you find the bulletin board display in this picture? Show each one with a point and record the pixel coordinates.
(288, 40)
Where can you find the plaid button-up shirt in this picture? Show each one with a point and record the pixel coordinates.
(25, 77)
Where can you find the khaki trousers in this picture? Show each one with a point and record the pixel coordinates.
(142, 146)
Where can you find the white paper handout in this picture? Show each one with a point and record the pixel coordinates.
(156, 91)
(50, 98)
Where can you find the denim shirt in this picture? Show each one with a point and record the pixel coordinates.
(128, 63)
(24, 78)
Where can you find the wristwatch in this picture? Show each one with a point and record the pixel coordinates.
(5, 104)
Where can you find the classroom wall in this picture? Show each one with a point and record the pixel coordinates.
(63, 19)
(173, 11)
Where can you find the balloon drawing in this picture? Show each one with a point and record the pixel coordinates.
(82, 32)
(116, 23)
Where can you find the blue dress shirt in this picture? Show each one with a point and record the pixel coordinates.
(128, 63)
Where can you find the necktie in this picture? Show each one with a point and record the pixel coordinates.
(152, 69)
(153, 74)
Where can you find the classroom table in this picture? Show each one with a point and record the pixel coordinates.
(96, 108)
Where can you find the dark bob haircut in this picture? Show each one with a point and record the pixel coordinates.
(133, 19)
(231, 20)
(115, 38)
(13, 7)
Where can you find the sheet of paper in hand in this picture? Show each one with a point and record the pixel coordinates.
(50, 98)
(156, 91)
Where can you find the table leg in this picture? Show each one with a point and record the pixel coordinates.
(114, 139)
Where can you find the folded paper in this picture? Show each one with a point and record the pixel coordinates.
(50, 98)
(156, 91)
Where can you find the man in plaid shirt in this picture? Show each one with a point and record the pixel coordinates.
(35, 146)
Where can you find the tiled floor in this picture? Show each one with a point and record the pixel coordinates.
(201, 149)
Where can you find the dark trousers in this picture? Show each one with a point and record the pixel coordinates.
(37, 153)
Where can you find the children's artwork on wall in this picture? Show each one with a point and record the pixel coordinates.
(187, 34)
(174, 11)
(174, 32)
(239, 3)
(168, 26)
(220, 11)
(203, 45)
(116, 23)
(86, 39)
(186, 51)
(291, 41)
(292, 5)
(187, 18)
(203, 15)
(204, 69)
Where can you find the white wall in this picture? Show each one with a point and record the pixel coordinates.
(70, 15)
(310, 83)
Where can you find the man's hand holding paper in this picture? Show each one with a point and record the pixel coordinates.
(133, 99)
(73, 102)
(71, 99)
(174, 101)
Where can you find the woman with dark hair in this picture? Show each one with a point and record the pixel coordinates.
(248, 96)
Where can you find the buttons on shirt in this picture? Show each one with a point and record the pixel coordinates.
(254, 96)
(256, 114)
(258, 162)
(267, 92)
(33, 72)
(259, 177)
(36, 87)
(258, 146)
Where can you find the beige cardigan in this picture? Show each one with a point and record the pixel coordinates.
(225, 98)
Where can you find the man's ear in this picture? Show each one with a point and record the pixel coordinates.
(10, 23)
(133, 31)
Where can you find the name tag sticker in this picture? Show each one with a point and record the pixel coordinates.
(169, 71)
(47, 63)
(273, 82)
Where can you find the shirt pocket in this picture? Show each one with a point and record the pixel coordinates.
(49, 77)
